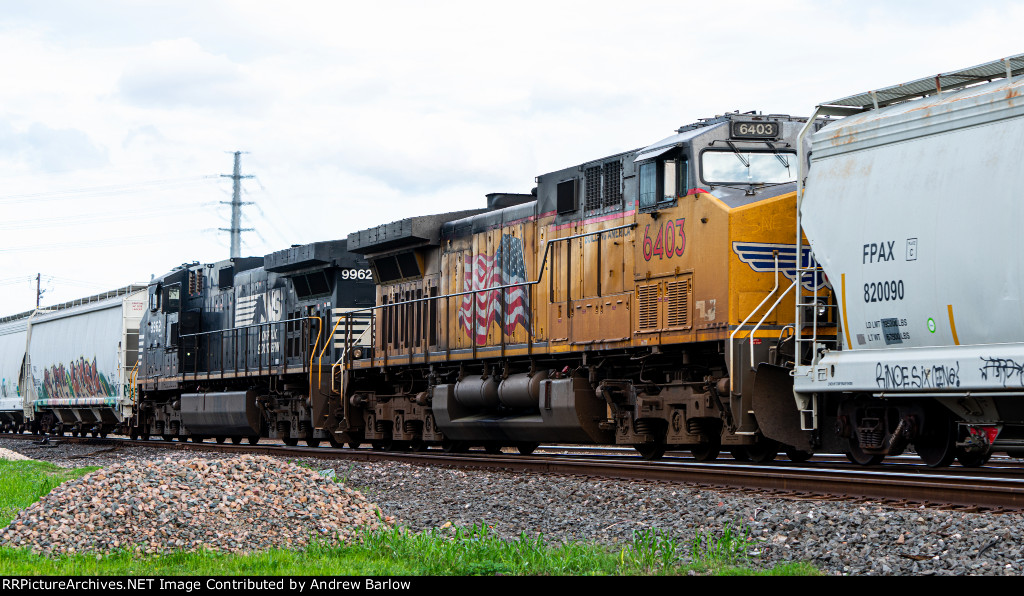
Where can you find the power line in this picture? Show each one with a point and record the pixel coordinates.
(112, 189)
(97, 217)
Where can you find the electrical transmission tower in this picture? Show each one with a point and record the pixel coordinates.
(236, 208)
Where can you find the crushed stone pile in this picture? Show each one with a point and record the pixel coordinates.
(12, 455)
(240, 504)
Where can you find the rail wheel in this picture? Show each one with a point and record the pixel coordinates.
(937, 447)
(706, 451)
(198, 438)
(492, 449)
(253, 439)
(798, 455)
(236, 440)
(650, 451)
(450, 446)
(220, 439)
(973, 460)
(740, 454)
(764, 452)
(527, 448)
(167, 437)
(354, 444)
(858, 456)
(290, 441)
(417, 446)
(312, 442)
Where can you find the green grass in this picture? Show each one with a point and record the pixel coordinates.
(396, 551)
(25, 482)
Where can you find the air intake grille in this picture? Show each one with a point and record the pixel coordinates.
(647, 314)
(592, 186)
(613, 184)
(678, 303)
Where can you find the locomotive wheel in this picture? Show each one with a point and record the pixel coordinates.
(167, 437)
(797, 455)
(181, 438)
(857, 456)
(290, 441)
(253, 439)
(220, 439)
(492, 449)
(354, 444)
(417, 446)
(198, 439)
(762, 453)
(312, 442)
(740, 454)
(706, 451)
(527, 448)
(650, 451)
(973, 460)
(236, 440)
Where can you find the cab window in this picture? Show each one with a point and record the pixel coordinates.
(748, 167)
(662, 181)
(173, 298)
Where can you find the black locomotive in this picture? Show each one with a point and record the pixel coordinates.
(245, 348)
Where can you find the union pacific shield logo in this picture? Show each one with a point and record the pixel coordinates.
(761, 258)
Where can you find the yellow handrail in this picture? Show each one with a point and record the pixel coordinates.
(319, 330)
(132, 378)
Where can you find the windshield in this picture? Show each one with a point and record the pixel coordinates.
(728, 167)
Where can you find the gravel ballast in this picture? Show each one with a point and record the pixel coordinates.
(838, 537)
(239, 504)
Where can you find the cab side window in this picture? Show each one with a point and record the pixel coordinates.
(662, 181)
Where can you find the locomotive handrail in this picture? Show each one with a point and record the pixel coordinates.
(540, 277)
(767, 312)
(319, 360)
(732, 337)
(233, 333)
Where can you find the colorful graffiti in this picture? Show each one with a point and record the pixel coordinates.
(78, 379)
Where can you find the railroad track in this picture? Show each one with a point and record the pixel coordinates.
(998, 488)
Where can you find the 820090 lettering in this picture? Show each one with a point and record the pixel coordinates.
(883, 291)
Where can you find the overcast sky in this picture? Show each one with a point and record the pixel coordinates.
(117, 118)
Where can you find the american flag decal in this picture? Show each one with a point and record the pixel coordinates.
(505, 267)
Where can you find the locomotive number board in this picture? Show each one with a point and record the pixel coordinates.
(755, 130)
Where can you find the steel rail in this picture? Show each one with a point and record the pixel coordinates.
(979, 489)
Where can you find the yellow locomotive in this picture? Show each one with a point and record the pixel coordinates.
(627, 300)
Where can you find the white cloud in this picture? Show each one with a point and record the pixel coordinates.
(355, 114)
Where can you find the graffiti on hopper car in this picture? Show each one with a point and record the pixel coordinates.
(1003, 370)
(936, 376)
